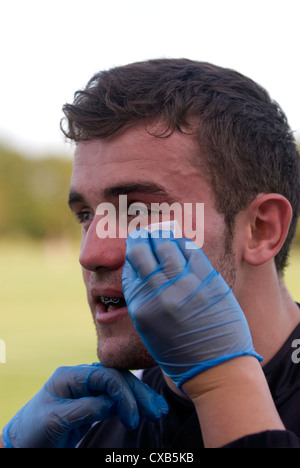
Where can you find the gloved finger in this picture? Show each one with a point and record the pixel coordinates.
(132, 283)
(112, 383)
(141, 262)
(76, 413)
(94, 380)
(168, 255)
(198, 263)
(132, 396)
(140, 255)
(151, 405)
(129, 275)
(71, 381)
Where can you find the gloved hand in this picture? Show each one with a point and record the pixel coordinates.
(76, 397)
(182, 308)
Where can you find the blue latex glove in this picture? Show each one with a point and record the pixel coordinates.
(76, 397)
(182, 308)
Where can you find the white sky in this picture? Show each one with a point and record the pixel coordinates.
(50, 48)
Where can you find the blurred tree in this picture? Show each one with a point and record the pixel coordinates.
(33, 196)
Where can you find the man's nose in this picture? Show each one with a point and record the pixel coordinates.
(99, 252)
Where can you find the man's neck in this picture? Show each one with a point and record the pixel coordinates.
(271, 313)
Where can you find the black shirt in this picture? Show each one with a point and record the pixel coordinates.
(180, 429)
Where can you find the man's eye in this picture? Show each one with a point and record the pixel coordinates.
(84, 216)
(138, 209)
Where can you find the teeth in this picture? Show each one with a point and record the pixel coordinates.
(110, 300)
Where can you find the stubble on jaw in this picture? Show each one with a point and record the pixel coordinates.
(225, 264)
(122, 347)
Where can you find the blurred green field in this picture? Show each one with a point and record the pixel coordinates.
(45, 320)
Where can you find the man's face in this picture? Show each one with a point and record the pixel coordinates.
(147, 170)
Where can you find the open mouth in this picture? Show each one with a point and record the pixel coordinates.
(112, 303)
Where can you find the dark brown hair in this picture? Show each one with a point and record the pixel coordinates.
(243, 136)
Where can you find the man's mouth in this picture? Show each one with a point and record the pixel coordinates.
(112, 303)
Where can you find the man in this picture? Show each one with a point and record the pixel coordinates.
(177, 131)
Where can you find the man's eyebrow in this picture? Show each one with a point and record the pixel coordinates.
(109, 193)
(150, 188)
(75, 197)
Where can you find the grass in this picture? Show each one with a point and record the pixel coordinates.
(44, 319)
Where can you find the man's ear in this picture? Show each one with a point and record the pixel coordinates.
(268, 221)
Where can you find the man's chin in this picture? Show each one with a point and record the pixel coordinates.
(126, 364)
(126, 357)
